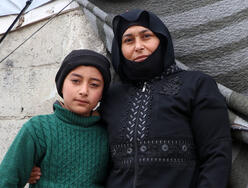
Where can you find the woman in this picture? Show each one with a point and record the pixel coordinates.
(167, 127)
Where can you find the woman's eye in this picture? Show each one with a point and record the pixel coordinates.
(147, 35)
(127, 40)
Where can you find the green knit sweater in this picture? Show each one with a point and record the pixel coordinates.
(71, 150)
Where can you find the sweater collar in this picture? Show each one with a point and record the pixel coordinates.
(74, 119)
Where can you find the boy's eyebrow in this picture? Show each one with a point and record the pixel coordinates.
(96, 79)
(79, 75)
(129, 34)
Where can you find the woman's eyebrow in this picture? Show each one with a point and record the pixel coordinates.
(127, 35)
(143, 31)
(130, 34)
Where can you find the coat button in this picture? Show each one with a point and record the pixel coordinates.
(143, 148)
(165, 147)
(129, 150)
(184, 148)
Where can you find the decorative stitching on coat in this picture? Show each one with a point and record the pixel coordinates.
(132, 116)
(170, 86)
(144, 115)
(171, 151)
(138, 107)
(138, 117)
(172, 69)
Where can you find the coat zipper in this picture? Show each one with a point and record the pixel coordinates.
(136, 145)
(144, 87)
(135, 157)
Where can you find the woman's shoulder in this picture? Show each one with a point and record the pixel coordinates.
(197, 77)
(202, 83)
(196, 74)
(116, 89)
(118, 86)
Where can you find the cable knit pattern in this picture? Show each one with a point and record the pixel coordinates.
(71, 150)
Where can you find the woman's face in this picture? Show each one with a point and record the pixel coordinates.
(138, 43)
(82, 90)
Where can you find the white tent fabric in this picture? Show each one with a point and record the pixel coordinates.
(8, 7)
(42, 12)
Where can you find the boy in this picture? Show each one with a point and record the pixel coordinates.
(69, 145)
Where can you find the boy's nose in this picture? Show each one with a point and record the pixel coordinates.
(83, 90)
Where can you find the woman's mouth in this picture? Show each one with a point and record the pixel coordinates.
(140, 58)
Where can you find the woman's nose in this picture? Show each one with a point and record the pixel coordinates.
(138, 45)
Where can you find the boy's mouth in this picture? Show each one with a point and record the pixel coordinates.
(81, 101)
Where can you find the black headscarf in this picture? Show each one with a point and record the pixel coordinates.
(162, 60)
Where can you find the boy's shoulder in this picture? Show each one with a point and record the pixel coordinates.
(41, 117)
(39, 121)
(37, 127)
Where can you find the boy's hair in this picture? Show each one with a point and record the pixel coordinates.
(83, 57)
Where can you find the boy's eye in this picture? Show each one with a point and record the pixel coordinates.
(94, 85)
(75, 81)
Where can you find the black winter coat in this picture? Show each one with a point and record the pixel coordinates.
(171, 132)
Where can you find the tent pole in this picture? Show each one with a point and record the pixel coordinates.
(26, 6)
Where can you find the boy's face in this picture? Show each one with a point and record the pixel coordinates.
(82, 89)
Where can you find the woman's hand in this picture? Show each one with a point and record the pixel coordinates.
(35, 175)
